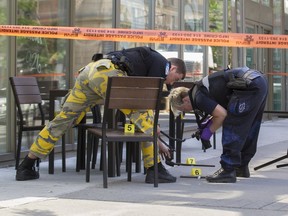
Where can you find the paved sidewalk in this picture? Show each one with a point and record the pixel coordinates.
(265, 193)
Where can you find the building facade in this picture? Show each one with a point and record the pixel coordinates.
(58, 59)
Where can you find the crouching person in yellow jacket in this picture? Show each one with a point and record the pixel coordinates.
(90, 89)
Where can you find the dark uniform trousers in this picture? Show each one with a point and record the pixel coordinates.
(242, 124)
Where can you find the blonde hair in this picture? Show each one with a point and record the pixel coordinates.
(175, 97)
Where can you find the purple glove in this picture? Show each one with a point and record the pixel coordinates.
(206, 134)
(206, 123)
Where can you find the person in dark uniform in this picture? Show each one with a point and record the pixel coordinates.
(235, 99)
(90, 89)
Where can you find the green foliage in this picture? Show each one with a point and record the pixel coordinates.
(216, 25)
(3, 16)
(33, 54)
(3, 41)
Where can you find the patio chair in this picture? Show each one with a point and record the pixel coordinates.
(127, 93)
(26, 92)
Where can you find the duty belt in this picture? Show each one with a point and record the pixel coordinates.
(121, 62)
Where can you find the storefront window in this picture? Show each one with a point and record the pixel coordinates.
(278, 81)
(94, 14)
(134, 15)
(41, 57)
(45, 59)
(167, 19)
(266, 2)
(217, 18)
(193, 54)
(4, 54)
(250, 61)
(286, 71)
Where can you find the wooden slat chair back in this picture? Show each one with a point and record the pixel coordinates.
(128, 93)
(26, 91)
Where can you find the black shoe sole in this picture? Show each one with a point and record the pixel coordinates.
(243, 172)
(242, 176)
(162, 178)
(228, 180)
(26, 177)
(160, 181)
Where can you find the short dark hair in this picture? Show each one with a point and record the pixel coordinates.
(97, 56)
(180, 64)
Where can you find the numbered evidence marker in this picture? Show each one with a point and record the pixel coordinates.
(129, 128)
(190, 161)
(196, 172)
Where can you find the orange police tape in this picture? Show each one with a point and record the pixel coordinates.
(149, 36)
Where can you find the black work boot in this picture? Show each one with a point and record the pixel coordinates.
(243, 171)
(26, 170)
(222, 176)
(163, 175)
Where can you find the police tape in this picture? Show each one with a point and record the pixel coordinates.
(149, 36)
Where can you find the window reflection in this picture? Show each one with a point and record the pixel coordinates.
(134, 15)
(3, 78)
(193, 54)
(94, 14)
(45, 59)
(41, 57)
(216, 16)
(277, 58)
(266, 2)
(250, 61)
(167, 18)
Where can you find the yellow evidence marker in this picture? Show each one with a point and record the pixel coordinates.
(196, 172)
(129, 128)
(190, 161)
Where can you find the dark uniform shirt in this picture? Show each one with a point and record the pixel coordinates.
(145, 61)
(218, 93)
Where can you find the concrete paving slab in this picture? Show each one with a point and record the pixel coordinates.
(265, 193)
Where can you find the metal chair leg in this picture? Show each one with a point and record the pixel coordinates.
(273, 161)
(19, 144)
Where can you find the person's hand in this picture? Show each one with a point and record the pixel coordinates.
(164, 150)
(206, 123)
(206, 134)
(158, 130)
